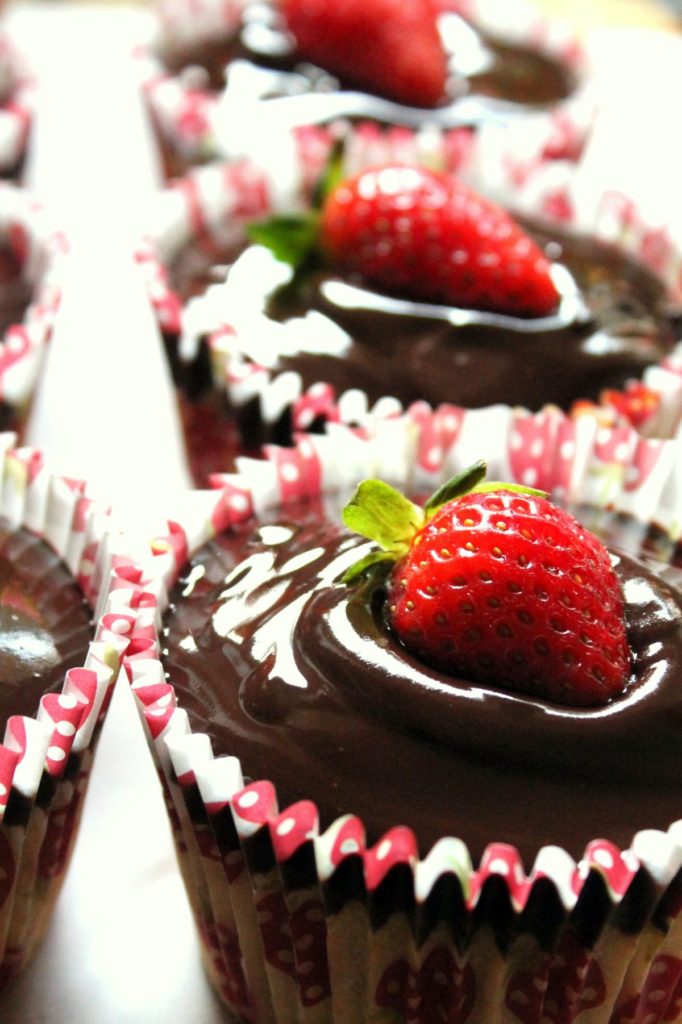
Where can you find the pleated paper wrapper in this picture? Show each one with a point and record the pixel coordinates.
(45, 761)
(211, 206)
(298, 925)
(194, 124)
(39, 248)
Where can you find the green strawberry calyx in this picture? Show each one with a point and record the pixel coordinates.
(293, 237)
(382, 514)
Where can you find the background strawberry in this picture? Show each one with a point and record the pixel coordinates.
(498, 585)
(429, 235)
(423, 235)
(388, 47)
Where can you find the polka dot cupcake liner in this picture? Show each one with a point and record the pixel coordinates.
(194, 124)
(210, 208)
(33, 249)
(298, 923)
(45, 760)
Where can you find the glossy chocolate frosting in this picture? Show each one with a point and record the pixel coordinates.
(15, 297)
(480, 65)
(299, 676)
(45, 623)
(15, 290)
(393, 349)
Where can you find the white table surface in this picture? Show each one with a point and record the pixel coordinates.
(121, 947)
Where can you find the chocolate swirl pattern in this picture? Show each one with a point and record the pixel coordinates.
(45, 623)
(611, 326)
(299, 676)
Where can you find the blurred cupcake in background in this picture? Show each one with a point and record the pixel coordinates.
(219, 75)
(260, 350)
(31, 258)
(16, 109)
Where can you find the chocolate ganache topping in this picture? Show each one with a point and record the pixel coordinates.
(611, 325)
(498, 74)
(15, 289)
(16, 293)
(45, 623)
(299, 676)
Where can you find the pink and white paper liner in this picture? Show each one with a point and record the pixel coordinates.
(332, 941)
(52, 752)
(17, 98)
(214, 203)
(39, 248)
(200, 125)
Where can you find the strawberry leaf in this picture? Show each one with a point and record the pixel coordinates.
(382, 514)
(496, 485)
(333, 174)
(363, 564)
(456, 486)
(291, 237)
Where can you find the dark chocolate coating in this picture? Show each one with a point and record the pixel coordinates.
(516, 74)
(15, 290)
(45, 623)
(299, 676)
(15, 297)
(414, 358)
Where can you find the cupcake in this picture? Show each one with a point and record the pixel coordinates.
(16, 110)
(31, 256)
(268, 349)
(58, 670)
(501, 873)
(492, 65)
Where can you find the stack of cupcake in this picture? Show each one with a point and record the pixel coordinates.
(416, 726)
(442, 785)
(261, 347)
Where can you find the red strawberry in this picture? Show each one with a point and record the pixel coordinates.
(429, 235)
(388, 47)
(636, 403)
(494, 583)
(424, 235)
